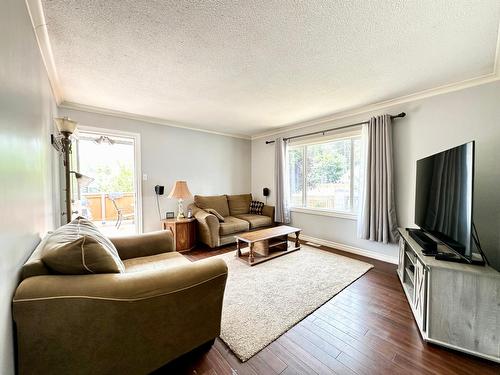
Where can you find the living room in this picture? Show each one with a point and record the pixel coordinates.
(259, 223)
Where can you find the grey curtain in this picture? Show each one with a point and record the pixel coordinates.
(377, 219)
(281, 185)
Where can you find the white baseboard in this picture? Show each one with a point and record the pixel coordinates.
(351, 249)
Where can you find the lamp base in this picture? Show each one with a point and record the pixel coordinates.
(180, 212)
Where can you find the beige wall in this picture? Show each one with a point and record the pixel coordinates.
(432, 125)
(210, 163)
(26, 158)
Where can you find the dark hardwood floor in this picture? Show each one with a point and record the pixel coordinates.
(368, 328)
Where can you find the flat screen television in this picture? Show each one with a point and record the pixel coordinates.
(443, 201)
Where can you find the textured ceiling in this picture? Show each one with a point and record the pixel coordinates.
(250, 66)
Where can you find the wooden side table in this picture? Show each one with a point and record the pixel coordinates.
(184, 231)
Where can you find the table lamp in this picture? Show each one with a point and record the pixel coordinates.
(180, 191)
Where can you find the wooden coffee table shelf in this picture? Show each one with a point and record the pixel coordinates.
(266, 244)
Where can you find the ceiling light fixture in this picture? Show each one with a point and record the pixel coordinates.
(104, 140)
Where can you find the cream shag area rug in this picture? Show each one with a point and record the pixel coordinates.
(264, 301)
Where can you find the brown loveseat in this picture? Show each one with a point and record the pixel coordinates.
(134, 322)
(235, 210)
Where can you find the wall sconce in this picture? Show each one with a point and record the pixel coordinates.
(66, 127)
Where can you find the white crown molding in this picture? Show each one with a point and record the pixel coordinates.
(148, 119)
(351, 249)
(491, 77)
(35, 11)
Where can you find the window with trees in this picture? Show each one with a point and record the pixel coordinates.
(325, 174)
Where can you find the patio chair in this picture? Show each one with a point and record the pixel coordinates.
(119, 210)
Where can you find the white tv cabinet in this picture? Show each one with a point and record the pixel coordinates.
(455, 305)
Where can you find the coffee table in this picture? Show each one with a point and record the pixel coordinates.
(266, 244)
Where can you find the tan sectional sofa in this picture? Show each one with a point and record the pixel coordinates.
(159, 308)
(235, 209)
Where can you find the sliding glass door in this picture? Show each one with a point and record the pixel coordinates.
(110, 197)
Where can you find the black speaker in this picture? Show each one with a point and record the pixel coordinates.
(429, 246)
(159, 190)
(265, 192)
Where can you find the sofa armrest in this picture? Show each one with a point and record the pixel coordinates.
(132, 286)
(268, 211)
(85, 323)
(208, 227)
(145, 244)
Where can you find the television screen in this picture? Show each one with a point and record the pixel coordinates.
(443, 202)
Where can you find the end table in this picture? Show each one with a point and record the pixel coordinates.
(184, 231)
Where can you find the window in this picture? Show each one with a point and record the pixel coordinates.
(326, 174)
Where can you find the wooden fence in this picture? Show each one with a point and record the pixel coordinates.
(100, 207)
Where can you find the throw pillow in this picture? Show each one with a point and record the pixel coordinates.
(79, 248)
(214, 212)
(256, 207)
(218, 202)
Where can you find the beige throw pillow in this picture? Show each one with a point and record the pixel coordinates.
(214, 212)
(79, 248)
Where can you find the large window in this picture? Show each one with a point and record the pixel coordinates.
(325, 174)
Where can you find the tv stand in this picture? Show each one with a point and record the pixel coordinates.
(454, 304)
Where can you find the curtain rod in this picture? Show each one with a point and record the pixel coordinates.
(402, 114)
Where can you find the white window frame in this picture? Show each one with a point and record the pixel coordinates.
(137, 165)
(351, 134)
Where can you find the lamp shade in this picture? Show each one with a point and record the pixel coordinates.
(180, 190)
(65, 125)
(83, 181)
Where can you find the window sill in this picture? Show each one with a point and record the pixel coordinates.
(320, 212)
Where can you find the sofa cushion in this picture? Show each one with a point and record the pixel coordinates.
(256, 207)
(217, 202)
(215, 213)
(155, 262)
(239, 204)
(79, 248)
(256, 221)
(232, 225)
